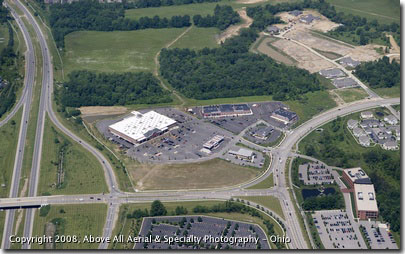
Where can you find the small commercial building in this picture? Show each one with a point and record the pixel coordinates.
(226, 110)
(263, 133)
(214, 142)
(139, 127)
(332, 73)
(365, 201)
(243, 154)
(284, 116)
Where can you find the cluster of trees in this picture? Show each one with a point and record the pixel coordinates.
(360, 29)
(326, 202)
(9, 74)
(262, 17)
(92, 15)
(231, 71)
(223, 17)
(86, 88)
(380, 73)
(158, 3)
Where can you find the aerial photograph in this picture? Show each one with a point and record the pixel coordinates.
(200, 125)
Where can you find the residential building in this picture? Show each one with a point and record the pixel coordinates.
(391, 119)
(364, 141)
(332, 73)
(345, 83)
(295, 13)
(366, 115)
(349, 62)
(358, 132)
(390, 145)
(307, 19)
(273, 30)
(352, 123)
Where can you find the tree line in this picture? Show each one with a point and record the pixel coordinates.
(159, 3)
(223, 17)
(360, 30)
(86, 88)
(380, 73)
(95, 16)
(232, 71)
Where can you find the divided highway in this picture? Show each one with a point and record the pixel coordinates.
(117, 197)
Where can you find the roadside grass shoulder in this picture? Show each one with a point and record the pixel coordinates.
(267, 201)
(78, 171)
(351, 94)
(79, 220)
(8, 149)
(265, 184)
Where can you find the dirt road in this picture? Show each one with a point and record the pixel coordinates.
(234, 29)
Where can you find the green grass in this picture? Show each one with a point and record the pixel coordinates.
(314, 231)
(384, 11)
(83, 172)
(116, 51)
(311, 105)
(127, 226)
(2, 224)
(328, 54)
(8, 149)
(79, 220)
(351, 94)
(198, 38)
(392, 92)
(267, 201)
(265, 184)
(4, 36)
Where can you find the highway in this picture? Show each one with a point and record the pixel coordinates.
(25, 100)
(116, 197)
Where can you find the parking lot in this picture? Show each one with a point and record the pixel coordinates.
(378, 237)
(337, 230)
(203, 227)
(182, 143)
(237, 124)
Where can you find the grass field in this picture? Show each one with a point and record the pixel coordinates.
(2, 222)
(267, 201)
(265, 184)
(384, 11)
(202, 175)
(198, 38)
(127, 226)
(351, 94)
(311, 104)
(76, 220)
(83, 173)
(392, 92)
(116, 51)
(4, 36)
(8, 144)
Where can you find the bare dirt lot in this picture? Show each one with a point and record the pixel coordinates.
(102, 110)
(265, 48)
(305, 58)
(209, 174)
(234, 29)
(323, 24)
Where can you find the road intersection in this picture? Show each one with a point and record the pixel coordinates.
(115, 197)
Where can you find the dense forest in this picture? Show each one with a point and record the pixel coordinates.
(380, 73)
(158, 3)
(383, 167)
(360, 30)
(92, 15)
(231, 71)
(10, 78)
(223, 17)
(86, 88)
(326, 202)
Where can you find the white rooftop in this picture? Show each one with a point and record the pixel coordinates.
(355, 173)
(365, 197)
(242, 152)
(139, 124)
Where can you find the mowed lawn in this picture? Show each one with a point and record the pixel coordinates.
(384, 11)
(198, 38)
(8, 144)
(4, 36)
(352, 94)
(270, 202)
(78, 220)
(201, 175)
(83, 173)
(118, 51)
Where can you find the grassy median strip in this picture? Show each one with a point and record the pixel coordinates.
(269, 202)
(265, 184)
